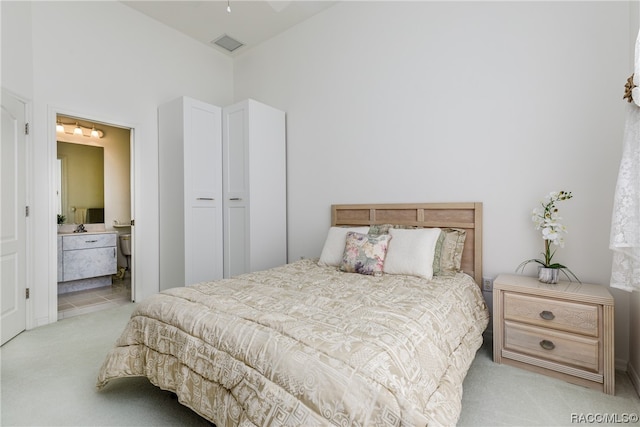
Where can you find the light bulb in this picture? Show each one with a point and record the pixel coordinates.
(77, 130)
(59, 127)
(94, 133)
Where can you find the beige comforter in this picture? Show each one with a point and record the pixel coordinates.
(308, 345)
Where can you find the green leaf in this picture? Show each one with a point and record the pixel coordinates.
(523, 264)
(564, 269)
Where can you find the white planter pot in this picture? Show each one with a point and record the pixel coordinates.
(548, 275)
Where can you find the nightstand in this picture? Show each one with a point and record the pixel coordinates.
(563, 330)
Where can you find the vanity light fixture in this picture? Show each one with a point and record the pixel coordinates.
(78, 129)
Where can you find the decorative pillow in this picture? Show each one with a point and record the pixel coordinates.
(334, 244)
(364, 253)
(411, 252)
(450, 257)
(437, 254)
(448, 252)
(384, 228)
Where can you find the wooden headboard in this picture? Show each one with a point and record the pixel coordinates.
(467, 216)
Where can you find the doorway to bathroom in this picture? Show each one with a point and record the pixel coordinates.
(94, 196)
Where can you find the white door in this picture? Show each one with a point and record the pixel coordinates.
(13, 221)
(235, 167)
(203, 214)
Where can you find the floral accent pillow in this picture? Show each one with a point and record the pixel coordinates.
(364, 253)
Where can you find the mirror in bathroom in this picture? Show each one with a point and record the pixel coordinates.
(80, 183)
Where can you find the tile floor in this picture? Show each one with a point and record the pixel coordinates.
(81, 302)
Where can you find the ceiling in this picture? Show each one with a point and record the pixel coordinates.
(250, 21)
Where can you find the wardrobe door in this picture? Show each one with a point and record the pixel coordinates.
(203, 195)
(268, 186)
(254, 187)
(190, 196)
(235, 148)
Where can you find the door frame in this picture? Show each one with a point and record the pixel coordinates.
(52, 114)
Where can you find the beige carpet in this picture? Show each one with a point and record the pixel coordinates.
(49, 373)
(500, 395)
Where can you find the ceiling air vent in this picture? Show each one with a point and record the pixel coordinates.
(227, 43)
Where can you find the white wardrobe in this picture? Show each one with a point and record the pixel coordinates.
(222, 177)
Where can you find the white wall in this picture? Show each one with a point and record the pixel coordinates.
(102, 61)
(386, 102)
(17, 62)
(498, 102)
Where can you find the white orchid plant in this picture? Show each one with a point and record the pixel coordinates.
(546, 218)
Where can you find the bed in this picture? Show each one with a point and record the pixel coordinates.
(310, 343)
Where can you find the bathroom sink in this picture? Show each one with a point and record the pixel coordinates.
(73, 233)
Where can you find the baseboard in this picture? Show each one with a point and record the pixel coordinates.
(488, 333)
(622, 365)
(41, 321)
(635, 377)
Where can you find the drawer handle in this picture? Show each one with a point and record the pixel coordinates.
(547, 345)
(547, 315)
(205, 198)
(235, 198)
(90, 241)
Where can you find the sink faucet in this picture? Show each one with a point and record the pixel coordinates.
(80, 229)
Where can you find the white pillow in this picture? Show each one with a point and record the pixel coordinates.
(335, 242)
(411, 252)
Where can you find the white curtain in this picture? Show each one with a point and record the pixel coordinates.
(625, 223)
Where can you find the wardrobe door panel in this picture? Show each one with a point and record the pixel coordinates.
(203, 252)
(236, 240)
(204, 159)
(236, 155)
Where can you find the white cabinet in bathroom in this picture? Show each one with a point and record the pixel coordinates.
(60, 266)
(254, 187)
(87, 255)
(190, 196)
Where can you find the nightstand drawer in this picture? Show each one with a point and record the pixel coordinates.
(550, 313)
(565, 348)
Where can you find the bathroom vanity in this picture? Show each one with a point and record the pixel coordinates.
(86, 260)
